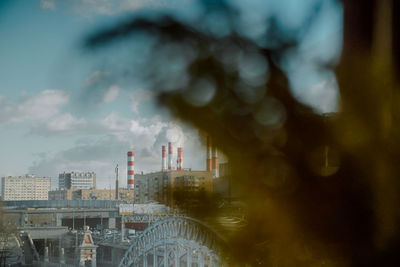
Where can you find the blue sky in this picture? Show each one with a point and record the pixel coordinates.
(49, 123)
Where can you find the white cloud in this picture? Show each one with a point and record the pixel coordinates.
(48, 4)
(140, 96)
(100, 87)
(102, 152)
(115, 123)
(40, 107)
(95, 78)
(105, 7)
(65, 122)
(62, 124)
(111, 94)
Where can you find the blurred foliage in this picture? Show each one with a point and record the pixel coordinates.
(5, 226)
(318, 190)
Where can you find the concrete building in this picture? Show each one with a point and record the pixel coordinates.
(65, 194)
(160, 186)
(91, 194)
(77, 180)
(28, 187)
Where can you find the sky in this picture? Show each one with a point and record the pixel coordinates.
(62, 109)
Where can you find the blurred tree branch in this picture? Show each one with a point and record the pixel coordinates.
(319, 190)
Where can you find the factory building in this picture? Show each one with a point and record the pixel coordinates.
(77, 180)
(28, 187)
(161, 186)
(91, 194)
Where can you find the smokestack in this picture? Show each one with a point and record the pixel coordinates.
(169, 156)
(131, 169)
(164, 159)
(179, 161)
(215, 168)
(116, 183)
(209, 168)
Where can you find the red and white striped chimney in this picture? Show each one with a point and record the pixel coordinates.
(164, 159)
(179, 161)
(169, 156)
(209, 164)
(131, 169)
(215, 167)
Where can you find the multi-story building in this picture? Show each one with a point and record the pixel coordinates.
(28, 187)
(91, 194)
(64, 194)
(77, 180)
(161, 186)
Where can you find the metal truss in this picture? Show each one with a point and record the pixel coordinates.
(176, 242)
(145, 218)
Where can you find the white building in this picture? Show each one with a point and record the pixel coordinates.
(77, 180)
(25, 188)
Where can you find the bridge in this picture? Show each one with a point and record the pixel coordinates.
(73, 214)
(175, 241)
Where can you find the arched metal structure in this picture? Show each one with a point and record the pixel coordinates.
(177, 242)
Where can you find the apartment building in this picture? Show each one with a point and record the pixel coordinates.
(28, 187)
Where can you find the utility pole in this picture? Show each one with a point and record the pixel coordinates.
(122, 228)
(116, 183)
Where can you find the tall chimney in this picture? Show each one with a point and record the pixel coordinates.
(215, 168)
(179, 161)
(169, 156)
(164, 159)
(209, 164)
(131, 169)
(116, 182)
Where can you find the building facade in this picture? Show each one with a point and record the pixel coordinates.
(161, 186)
(77, 180)
(28, 187)
(91, 194)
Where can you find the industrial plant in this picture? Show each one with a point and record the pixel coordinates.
(79, 224)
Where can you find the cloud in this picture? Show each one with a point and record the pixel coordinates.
(114, 123)
(48, 4)
(111, 94)
(100, 153)
(66, 124)
(62, 124)
(105, 7)
(140, 96)
(99, 88)
(95, 78)
(37, 107)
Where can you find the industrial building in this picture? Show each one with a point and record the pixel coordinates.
(77, 180)
(160, 186)
(28, 187)
(91, 194)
